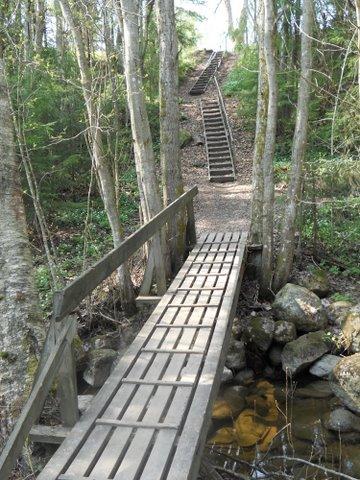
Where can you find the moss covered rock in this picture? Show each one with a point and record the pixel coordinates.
(301, 307)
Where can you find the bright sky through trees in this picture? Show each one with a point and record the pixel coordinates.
(213, 29)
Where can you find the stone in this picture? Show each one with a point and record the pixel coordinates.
(302, 352)
(337, 312)
(351, 330)
(226, 375)
(301, 307)
(259, 330)
(341, 420)
(275, 355)
(284, 332)
(237, 328)
(84, 402)
(244, 377)
(235, 359)
(345, 381)
(108, 340)
(317, 389)
(99, 366)
(235, 397)
(324, 366)
(221, 410)
(315, 280)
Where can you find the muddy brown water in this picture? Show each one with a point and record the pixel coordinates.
(265, 419)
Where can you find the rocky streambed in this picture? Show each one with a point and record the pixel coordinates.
(291, 387)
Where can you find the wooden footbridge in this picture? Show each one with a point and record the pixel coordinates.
(149, 421)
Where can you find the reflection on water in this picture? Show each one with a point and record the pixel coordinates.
(263, 417)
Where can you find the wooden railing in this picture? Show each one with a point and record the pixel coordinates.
(226, 118)
(58, 357)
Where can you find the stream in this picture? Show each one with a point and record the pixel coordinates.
(272, 418)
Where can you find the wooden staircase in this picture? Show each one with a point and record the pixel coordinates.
(218, 141)
(207, 74)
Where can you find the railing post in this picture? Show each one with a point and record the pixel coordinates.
(67, 381)
(190, 226)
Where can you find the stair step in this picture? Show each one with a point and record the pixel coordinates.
(222, 178)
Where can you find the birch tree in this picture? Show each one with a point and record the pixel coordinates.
(287, 244)
(269, 149)
(143, 146)
(169, 124)
(21, 330)
(256, 227)
(105, 178)
(229, 15)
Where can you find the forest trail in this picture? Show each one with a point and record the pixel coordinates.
(218, 204)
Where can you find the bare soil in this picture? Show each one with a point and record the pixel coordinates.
(218, 206)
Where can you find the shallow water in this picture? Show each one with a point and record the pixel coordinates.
(272, 419)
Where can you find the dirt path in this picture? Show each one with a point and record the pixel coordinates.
(219, 206)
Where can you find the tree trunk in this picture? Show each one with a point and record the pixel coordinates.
(59, 34)
(287, 245)
(357, 6)
(229, 15)
(269, 150)
(39, 25)
(143, 147)
(256, 226)
(172, 181)
(21, 330)
(105, 179)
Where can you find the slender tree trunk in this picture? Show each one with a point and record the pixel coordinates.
(256, 227)
(269, 151)
(172, 181)
(59, 33)
(357, 6)
(144, 155)
(105, 179)
(229, 15)
(243, 23)
(39, 24)
(21, 330)
(287, 245)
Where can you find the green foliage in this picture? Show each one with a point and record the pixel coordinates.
(341, 297)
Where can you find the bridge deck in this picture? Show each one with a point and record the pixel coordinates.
(149, 421)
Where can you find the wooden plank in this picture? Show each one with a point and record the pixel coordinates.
(185, 325)
(164, 383)
(49, 434)
(76, 291)
(34, 404)
(147, 300)
(186, 461)
(164, 443)
(123, 423)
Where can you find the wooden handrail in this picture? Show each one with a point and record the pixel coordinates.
(33, 406)
(70, 297)
(222, 104)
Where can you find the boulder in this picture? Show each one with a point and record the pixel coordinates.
(226, 375)
(301, 307)
(324, 366)
(259, 330)
(345, 382)
(108, 341)
(337, 312)
(302, 352)
(244, 377)
(341, 420)
(315, 280)
(284, 332)
(99, 366)
(351, 329)
(275, 355)
(318, 389)
(235, 359)
(84, 402)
